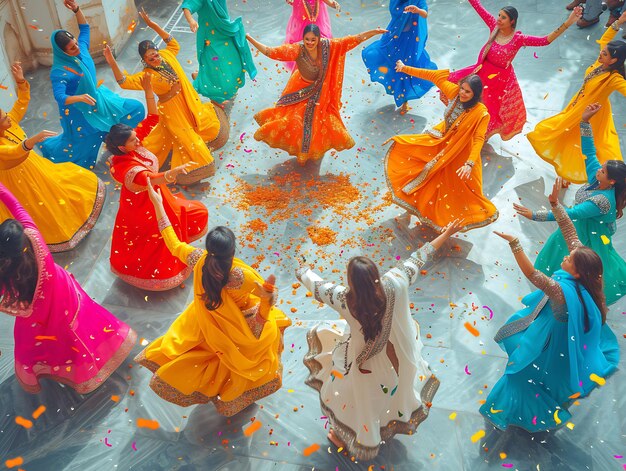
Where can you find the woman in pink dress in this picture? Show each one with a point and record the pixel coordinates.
(304, 13)
(502, 94)
(60, 332)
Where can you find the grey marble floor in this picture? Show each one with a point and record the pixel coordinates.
(475, 270)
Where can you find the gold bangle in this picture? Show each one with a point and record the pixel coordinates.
(165, 175)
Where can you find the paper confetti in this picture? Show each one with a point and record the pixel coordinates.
(253, 427)
(147, 423)
(605, 239)
(477, 436)
(310, 449)
(556, 417)
(467, 372)
(472, 330)
(40, 410)
(597, 379)
(452, 416)
(23, 422)
(14, 462)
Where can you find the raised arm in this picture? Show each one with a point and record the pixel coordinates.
(285, 52)
(567, 227)
(190, 7)
(73, 6)
(438, 77)
(325, 292)
(23, 93)
(15, 208)
(154, 26)
(419, 7)
(186, 253)
(487, 17)
(587, 144)
(574, 16)
(332, 4)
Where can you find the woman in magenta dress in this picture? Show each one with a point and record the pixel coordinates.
(60, 332)
(304, 13)
(502, 94)
(139, 255)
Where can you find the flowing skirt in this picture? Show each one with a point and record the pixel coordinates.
(80, 142)
(501, 95)
(139, 255)
(80, 349)
(64, 200)
(442, 196)
(537, 397)
(283, 127)
(364, 409)
(380, 60)
(591, 234)
(186, 371)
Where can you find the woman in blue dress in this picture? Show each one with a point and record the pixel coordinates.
(597, 207)
(559, 346)
(404, 40)
(87, 110)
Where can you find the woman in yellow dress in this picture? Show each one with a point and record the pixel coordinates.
(557, 139)
(437, 176)
(63, 199)
(225, 347)
(186, 124)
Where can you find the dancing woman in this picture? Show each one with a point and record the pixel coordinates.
(60, 332)
(559, 346)
(368, 369)
(64, 200)
(404, 40)
(306, 122)
(87, 109)
(503, 96)
(223, 53)
(139, 255)
(597, 207)
(437, 176)
(225, 347)
(185, 123)
(556, 139)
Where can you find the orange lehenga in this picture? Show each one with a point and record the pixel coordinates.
(306, 122)
(229, 356)
(185, 123)
(421, 168)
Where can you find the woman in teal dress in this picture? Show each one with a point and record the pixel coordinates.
(597, 207)
(223, 53)
(559, 346)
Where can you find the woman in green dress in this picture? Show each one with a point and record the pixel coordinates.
(223, 53)
(597, 207)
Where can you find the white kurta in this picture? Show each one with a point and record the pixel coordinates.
(366, 408)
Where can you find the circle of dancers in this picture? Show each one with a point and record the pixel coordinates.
(225, 347)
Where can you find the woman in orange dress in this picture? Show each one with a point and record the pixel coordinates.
(185, 123)
(437, 176)
(139, 255)
(306, 122)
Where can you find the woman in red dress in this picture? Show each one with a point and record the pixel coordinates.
(139, 255)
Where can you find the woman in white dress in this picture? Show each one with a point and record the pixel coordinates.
(368, 368)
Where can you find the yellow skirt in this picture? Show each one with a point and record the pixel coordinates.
(64, 199)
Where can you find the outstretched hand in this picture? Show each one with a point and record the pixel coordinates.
(523, 211)
(464, 171)
(399, 66)
(590, 111)
(507, 237)
(575, 15)
(146, 81)
(263, 289)
(146, 18)
(453, 227)
(43, 135)
(18, 73)
(70, 5)
(155, 195)
(556, 189)
(107, 52)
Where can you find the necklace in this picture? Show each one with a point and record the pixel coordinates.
(502, 40)
(15, 139)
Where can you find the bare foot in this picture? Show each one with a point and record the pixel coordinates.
(404, 109)
(194, 75)
(335, 439)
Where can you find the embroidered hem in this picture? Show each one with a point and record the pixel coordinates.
(520, 325)
(345, 433)
(154, 284)
(423, 219)
(226, 408)
(91, 384)
(87, 226)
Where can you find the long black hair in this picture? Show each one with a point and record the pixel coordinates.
(312, 28)
(512, 13)
(18, 265)
(117, 137)
(366, 297)
(476, 84)
(588, 264)
(616, 170)
(617, 50)
(220, 245)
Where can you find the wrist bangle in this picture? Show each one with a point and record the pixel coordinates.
(20, 83)
(166, 176)
(515, 246)
(471, 164)
(25, 147)
(615, 25)
(77, 8)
